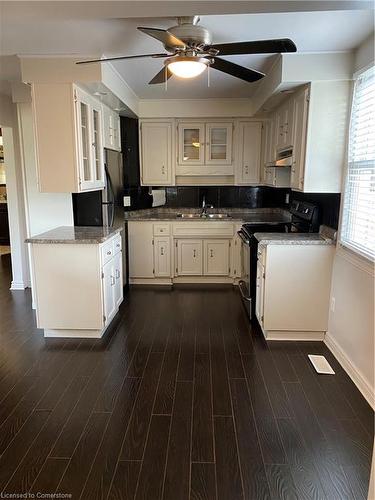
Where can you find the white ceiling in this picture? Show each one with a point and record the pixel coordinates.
(64, 31)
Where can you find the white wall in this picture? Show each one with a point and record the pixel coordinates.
(351, 325)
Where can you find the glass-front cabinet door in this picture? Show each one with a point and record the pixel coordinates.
(90, 143)
(219, 143)
(191, 144)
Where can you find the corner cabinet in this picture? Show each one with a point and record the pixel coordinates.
(249, 140)
(68, 128)
(156, 153)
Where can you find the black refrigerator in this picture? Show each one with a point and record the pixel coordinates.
(106, 207)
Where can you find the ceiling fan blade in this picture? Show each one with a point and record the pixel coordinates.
(155, 56)
(160, 77)
(249, 75)
(255, 47)
(164, 37)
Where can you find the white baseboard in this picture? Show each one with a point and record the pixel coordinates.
(353, 372)
(288, 335)
(19, 285)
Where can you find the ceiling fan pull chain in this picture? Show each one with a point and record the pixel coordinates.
(208, 75)
(166, 77)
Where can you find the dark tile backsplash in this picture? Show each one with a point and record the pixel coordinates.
(226, 196)
(328, 203)
(238, 197)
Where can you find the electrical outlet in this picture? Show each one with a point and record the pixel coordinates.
(127, 202)
(333, 303)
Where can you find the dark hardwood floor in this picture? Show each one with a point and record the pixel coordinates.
(183, 399)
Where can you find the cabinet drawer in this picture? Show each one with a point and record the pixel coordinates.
(107, 251)
(203, 229)
(161, 229)
(117, 244)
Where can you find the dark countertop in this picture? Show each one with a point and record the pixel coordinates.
(85, 235)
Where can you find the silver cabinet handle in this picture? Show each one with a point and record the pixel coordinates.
(161, 251)
(163, 170)
(113, 280)
(194, 253)
(117, 274)
(212, 252)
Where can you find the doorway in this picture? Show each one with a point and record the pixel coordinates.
(5, 249)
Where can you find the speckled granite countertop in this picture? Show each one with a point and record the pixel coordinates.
(75, 235)
(251, 216)
(292, 239)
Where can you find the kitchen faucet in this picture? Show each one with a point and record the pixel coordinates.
(205, 207)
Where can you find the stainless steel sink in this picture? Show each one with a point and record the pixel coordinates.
(189, 216)
(203, 216)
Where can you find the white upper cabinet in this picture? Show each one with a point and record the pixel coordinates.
(111, 129)
(249, 152)
(204, 148)
(301, 106)
(321, 112)
(68, 125)
(156, 153)
(191, 143)
(219, 143)
(284, 126)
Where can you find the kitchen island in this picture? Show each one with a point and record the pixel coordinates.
(76, 280)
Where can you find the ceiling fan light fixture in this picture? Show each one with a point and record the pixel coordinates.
(187, 67)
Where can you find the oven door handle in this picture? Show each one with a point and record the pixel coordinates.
(240, 285)
(241, 234)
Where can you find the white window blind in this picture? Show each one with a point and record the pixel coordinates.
(358, 217)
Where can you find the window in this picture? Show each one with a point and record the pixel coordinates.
(358, 216)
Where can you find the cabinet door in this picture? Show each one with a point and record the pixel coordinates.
(141, 250)
(279, 129)
(116, 132)
(156, 151)
(271, 155)
(118, 288)
(189, 257)
(219, 143)
(97, 145)
(84, 134)
(299, 139)
(191, 144)
(109, 283)
(216, 257)
(90, 146)
(259, 299)
(162, 257)
(249, 152)
(288, 123)
(270, 176)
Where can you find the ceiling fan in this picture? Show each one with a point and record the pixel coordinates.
(190, 52)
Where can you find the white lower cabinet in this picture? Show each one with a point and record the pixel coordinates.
(163, 252)
(77, 287)
(141, 249)
(162, 257)
(216, 257)
(293, 288)
(189, 257)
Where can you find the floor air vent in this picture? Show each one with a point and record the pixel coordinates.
(320, 364)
